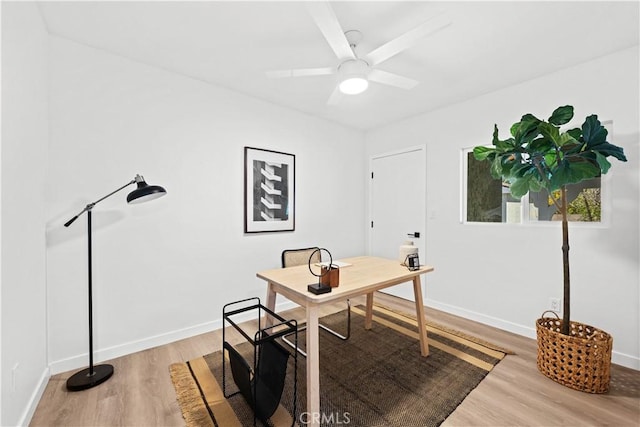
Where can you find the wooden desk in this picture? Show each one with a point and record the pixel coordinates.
(365, 276)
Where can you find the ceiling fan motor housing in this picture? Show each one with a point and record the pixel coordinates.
(353, 76)
(353, 67)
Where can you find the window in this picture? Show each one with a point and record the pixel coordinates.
(488, 200)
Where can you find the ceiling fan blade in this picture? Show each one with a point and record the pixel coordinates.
(335, 97)
(300, 72)
(406, 40)
(325, 18)
(392, 79)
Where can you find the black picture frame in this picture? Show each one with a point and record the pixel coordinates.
(269, 190)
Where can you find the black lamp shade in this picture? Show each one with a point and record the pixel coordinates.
(145, 192)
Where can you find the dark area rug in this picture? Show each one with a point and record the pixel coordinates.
(376, 378)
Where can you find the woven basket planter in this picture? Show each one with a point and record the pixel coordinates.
(581, 360)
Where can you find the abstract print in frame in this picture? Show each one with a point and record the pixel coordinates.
(269, 190)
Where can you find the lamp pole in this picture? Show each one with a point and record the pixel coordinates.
(95, 375)
(90, 293)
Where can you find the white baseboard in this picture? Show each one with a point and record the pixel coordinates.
(100, 355)
(526, 331)
(627, 360)
(25, 419)
(618, 358)
(80, 361)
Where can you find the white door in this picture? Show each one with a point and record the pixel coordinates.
(398, 207)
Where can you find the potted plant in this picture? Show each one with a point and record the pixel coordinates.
(539, 155)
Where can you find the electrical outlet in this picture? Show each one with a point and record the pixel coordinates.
(555, 304)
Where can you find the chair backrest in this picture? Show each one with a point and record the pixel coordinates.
(293, 257)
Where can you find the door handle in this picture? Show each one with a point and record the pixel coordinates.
(414, 234)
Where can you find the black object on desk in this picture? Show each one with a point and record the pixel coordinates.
(319, 288)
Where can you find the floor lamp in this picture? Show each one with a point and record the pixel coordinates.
(94, 375)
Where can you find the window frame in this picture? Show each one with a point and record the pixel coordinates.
(525, 221)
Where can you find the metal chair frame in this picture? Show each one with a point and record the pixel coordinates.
(304, 326)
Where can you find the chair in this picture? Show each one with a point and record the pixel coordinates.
(293, 257)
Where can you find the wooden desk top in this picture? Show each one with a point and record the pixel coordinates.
(365, 274)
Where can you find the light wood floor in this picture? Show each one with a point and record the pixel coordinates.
(141, 394)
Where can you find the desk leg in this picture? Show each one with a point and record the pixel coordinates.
(369, 314)
(422, 327)
(313, 366)
(271, 304)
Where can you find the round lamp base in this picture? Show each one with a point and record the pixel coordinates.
(85, 379)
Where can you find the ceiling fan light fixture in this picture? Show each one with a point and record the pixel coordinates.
(354, 85)
(353, 76)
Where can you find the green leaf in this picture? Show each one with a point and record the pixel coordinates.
(508, 161)
(495, 134)
(550, 132)
(514, 129)
(583, 170)
(561, 115)
(521, 170)
(572, 148)
(540, 145)
(573, 172)
(519, 187)
(576, 133)
(530, 117)
(538, 181)
(608, 149)
(566, 138)
(541, 167)
(533, 171)
(535, 185)
(593, 132)
(506, 145)
(496, 167)
(551, 159)
(482, 153)
(602, 162)
(502, 145)
(527, 129)
(502, 164)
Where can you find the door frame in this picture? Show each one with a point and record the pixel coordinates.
(421, 148)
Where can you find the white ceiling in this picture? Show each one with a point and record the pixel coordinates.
(489, 45)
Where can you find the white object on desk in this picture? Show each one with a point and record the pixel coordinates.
(338, 264)
(405, 250)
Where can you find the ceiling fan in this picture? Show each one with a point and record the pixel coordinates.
(354, 72)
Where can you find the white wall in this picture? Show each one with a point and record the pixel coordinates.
(511, 271)
(24, 164)
(163, 270)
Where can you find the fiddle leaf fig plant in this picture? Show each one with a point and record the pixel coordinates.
(539, 155)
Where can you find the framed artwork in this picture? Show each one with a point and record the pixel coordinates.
(269, 190)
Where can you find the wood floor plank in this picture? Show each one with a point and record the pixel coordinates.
(514, 393)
